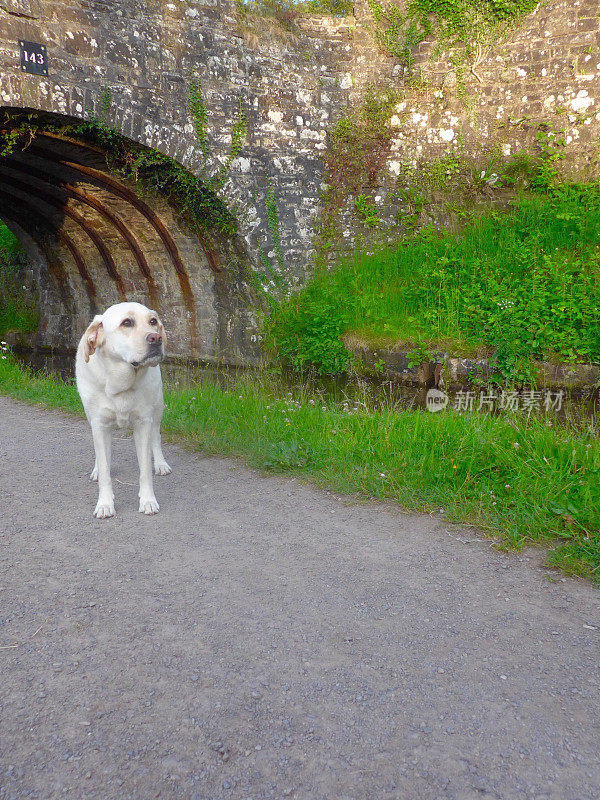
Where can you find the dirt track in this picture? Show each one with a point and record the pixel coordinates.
(261, 639)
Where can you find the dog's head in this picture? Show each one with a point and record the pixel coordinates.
(128, 332)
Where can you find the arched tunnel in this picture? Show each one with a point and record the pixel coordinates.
(94, 237)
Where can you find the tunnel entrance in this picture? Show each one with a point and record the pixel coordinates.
(104, 220)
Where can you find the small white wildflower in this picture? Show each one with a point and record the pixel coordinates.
(516, 445)
(507, 485)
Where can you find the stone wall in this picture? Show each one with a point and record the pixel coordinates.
(146, 55)
(292, 86)
(546, 72)
(537, 87)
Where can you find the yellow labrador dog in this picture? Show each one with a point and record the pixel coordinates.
(118, 378)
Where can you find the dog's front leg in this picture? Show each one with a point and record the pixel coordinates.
(94, 473)
(105, 506)
(142, 433)
(160, 465)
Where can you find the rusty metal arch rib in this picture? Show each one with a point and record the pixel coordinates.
(55, 202)
(210, 256)
(9, 212)
(53, 181)
(147, 212)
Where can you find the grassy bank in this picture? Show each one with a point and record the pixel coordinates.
(519, 285)
(520, 480)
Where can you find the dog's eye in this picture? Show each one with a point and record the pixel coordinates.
(153, 321)
(127, 323)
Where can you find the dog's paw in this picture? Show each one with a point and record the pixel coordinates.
(104, 509)
(162, 468)
(148, 505)
(94, 474)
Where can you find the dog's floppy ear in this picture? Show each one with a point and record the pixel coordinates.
(93, 337)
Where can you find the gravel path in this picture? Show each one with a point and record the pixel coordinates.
(262, 639)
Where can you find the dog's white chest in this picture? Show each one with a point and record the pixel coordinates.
(123, 406)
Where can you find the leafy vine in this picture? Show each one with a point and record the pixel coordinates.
(466, 26)
(359, 145)
(197, 109)
(148, 168)
(238, 138)
(273, 222)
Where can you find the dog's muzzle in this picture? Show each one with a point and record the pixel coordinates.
(155, 352)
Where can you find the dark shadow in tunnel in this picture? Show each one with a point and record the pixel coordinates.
(36, 199)
(47, 274)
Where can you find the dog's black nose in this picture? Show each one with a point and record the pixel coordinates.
(154, 338)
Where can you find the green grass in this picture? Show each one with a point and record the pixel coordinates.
(17, 311)
(522, 481)
(521, 284)
(16, 314)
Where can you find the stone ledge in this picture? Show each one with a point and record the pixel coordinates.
(455, 372)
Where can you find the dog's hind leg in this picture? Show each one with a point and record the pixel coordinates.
(94, 472)
(105, 506)
(160, 465)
